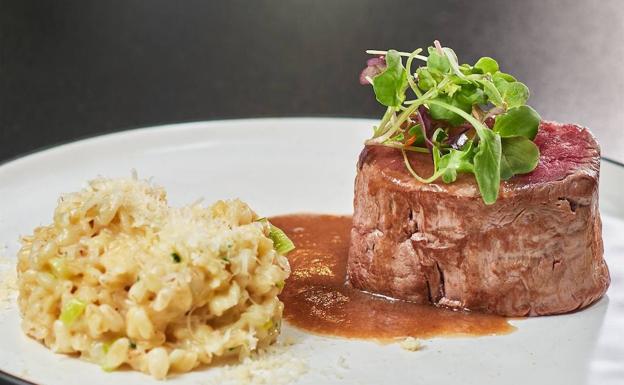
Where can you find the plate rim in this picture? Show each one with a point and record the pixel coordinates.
(63, 144)
(8, 378)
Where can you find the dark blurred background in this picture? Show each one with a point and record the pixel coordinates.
(72, 69)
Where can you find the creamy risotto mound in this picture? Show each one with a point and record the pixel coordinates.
(120, 277)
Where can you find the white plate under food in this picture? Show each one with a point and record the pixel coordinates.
(284, 166)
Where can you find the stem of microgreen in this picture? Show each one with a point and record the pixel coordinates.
(416, 149)
(404, 54)
(474, 77)
(408, 165)
(432, 93)
(397, 124)
(479, 127)
(400, 146)
(438, 47)
(423, 129)
(413, 105)
(384, 121)
(478, 113)
(453, 62)
(408, 68)
(493, 112)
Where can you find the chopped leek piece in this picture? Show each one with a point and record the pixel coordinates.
(268, 325)
(280, 284)
(281, 243)
(59, 268)
(72, 311)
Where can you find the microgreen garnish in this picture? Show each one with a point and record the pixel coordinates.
(176, 257)
(471, 119)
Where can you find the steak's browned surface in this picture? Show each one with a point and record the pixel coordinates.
(537, 250)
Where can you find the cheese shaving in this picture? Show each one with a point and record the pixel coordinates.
(8, 283)
(411, 344)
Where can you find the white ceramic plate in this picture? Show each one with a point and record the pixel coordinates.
(302, 165)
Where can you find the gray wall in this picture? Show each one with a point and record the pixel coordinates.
(71, 69)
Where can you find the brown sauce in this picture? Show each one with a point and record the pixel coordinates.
(318, 299)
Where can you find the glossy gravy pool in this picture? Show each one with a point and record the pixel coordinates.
(318, 299)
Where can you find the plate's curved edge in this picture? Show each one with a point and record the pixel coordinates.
(612, 161)
(62, 145)
(7, 378)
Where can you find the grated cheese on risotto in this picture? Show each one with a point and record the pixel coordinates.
(8, 282)
(123, 279)
(273, 366)
(411, 344)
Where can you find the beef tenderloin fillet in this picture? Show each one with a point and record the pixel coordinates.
(537, 250)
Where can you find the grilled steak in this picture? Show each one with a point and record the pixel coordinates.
(536, 251)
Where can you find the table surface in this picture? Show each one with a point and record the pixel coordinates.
(75, 69)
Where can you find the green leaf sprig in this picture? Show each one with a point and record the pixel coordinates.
(465, 98)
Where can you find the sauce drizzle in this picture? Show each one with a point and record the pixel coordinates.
(318, 299)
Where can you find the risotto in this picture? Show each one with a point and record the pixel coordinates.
(120, 277)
